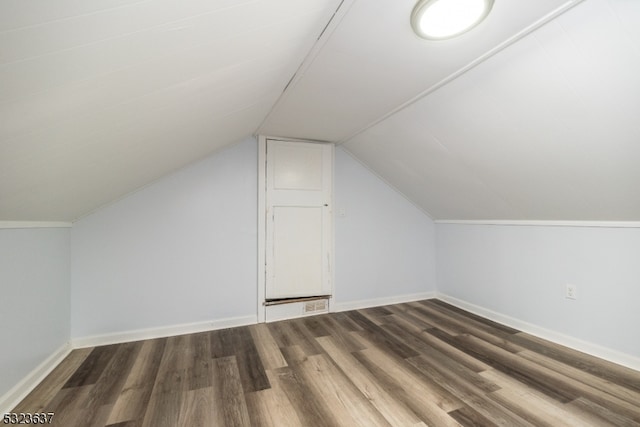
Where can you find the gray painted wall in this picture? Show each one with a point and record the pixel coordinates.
(385, 245)
(184, 249)
(521, 271)
(34, 317)
(181, 250)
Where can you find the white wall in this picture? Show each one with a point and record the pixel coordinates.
(521, 271)
(384, 246)
(180, 251)
(184, 249)
(34, 312)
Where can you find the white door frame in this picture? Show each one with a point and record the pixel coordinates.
(262, 225)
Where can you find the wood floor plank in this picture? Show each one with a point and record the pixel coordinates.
(408, 378)
(338, 394)
(612, 403)
(440, 322)
(135, 423)
(540, 378)
(40, 397)
(293, 355)
(341, 333)
(231, 396)
(380, 337)
(199, 408)
(221, 343)
(346, 322)
(250, 367)
(602, 414)
(470, 321)
(375, 314)
(606, 370)
(412, 364)
(536, 410)
(445, 364)
(597, 382)
(97, 417)
(171, 384)
(304, 338)
(470, 396)
(431, 342)
(200, 371)
(271, 408)
(467, 416)
(92, 366)
(416, 318)
(403, 319)
(68, 406)
(475, 317)
(547, 381)
(289, 333)
(109, 385)
(392, 409)
(520, 398)
(164, 407)
(133, 400)
(316, 326)
(267, 348)
(308, 409)
(497, 338)
(429, 402)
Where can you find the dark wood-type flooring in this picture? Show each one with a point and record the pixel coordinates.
(421, 363)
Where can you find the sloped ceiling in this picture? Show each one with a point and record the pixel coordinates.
(98, 98)
(547, 129)
(530, 116)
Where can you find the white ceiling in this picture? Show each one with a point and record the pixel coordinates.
(100, 98)
(547, 129)
(373, 63)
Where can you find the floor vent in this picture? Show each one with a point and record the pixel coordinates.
(315, 306)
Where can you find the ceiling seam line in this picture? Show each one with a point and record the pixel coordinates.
(474, 63)
(307, 60)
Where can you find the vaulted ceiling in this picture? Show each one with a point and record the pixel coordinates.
(532, 115)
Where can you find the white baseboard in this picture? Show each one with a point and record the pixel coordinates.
(35, 224)
(587, 224)
(397, 299)
(592, 349)
(14, 396)
(165, 331)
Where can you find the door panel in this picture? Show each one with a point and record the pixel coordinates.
(297, 251)
(299, 238)
(297, 168)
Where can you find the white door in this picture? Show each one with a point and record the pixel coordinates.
(298, 219)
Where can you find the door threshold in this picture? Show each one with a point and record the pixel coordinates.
(278, 301)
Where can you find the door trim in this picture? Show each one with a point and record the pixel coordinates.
(262, 223)
(262, 227)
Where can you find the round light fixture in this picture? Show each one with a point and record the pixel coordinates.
(444, 19)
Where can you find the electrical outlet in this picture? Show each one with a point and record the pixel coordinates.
(572, 292)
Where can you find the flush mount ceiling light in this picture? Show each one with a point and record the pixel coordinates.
(444, 19)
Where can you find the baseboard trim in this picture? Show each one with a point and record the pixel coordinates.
(376, 302)
(586, 224)
(14, 396)
(35, 224)
(162, 332)
(592, 349)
